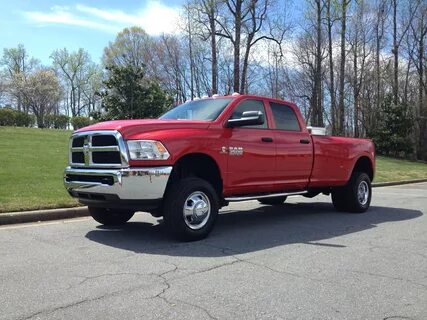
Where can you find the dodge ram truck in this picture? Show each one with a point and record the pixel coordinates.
(205, 153)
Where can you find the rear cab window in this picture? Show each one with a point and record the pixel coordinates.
(284, 117)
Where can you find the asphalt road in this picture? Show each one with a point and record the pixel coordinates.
(302, 260)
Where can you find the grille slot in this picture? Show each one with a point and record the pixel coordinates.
(98, 149)
(106, 157)
(78, 142)
(84, 178)
(102, 141)
(78, 157)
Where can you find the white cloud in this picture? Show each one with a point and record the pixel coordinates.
(155, 18)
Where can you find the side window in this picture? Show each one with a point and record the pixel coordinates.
(284, 117)
(250, 105)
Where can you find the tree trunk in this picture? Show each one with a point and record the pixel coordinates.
(190, 47)
(355, 89)
(237, 37)
(331, 69)
(395, 52)
(422, 107)
(243, 88)
(377, 63)
(213, 49)
(316, 117)
(341, 109)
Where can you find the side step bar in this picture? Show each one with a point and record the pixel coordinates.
(271, 195)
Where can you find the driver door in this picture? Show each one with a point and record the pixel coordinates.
(251, 153)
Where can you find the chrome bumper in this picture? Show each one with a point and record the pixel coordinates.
(126, 184)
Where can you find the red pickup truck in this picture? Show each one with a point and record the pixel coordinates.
(205, 153)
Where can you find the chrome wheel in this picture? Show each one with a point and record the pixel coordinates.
(197, 209)
(363, 193)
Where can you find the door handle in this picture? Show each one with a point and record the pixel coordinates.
(304, 141)
(266, 139)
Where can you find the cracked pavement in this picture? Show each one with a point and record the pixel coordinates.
(302, 260)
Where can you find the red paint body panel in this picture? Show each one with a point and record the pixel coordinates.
(280, 165)
(335, 157)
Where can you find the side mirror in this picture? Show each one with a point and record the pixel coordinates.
(248, 118)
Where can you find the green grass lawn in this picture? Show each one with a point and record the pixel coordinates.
(32, 162)
(389, 169)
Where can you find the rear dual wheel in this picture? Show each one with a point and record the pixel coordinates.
(356, 196)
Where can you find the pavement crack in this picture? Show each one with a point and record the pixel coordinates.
(379, 275)
(88, 278)
(107, 295)
(206, 311)
(232, 253)
(165, 281)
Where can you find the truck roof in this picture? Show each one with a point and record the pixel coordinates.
(236, 95)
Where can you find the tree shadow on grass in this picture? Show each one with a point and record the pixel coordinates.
(252, 230)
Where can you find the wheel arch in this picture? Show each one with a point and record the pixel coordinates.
(364, 164)
(199, 165)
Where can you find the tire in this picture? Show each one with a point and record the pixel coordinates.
(182, 201)
(339, 199)
(356, 196)
(110, 217)
(276, 201)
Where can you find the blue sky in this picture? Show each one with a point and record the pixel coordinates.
(43, 26)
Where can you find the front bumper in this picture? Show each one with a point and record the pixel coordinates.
(130, 184)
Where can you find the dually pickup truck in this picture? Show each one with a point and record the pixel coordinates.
(205, 153)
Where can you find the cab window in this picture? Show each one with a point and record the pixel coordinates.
(284, 117)
(250, 105)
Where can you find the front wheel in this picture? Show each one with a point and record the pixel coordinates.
(110, 217)
(190, 209)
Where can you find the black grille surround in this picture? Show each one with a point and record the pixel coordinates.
(98, 149)
(85, 178)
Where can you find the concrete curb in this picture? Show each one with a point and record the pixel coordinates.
(69, 213)
(42, 215)
(396, 183)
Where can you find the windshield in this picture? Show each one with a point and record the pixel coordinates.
(205, 110)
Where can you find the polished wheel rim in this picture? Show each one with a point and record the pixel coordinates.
(197, 209)
(363, 193)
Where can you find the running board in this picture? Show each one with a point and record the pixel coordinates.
(272, 195)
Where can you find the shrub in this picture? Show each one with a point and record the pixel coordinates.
(392, 135)
(59, 121)
(23, 119)
(7, 117)
(11, 117)
(80, 122)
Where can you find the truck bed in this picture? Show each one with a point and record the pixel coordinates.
(334, 158)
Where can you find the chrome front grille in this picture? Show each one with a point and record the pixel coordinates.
(103, 149)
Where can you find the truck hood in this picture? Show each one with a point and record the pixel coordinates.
(128, 128)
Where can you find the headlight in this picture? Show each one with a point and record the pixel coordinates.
(147, 150)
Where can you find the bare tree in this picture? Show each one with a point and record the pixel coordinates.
(417, 54)
(330, 20)
(317, 99)
(17, 63)
(403, 27)
(207, 15)
(381, 12)
(41, 91)
(341, 106)
(73, 68)
(360, 39)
